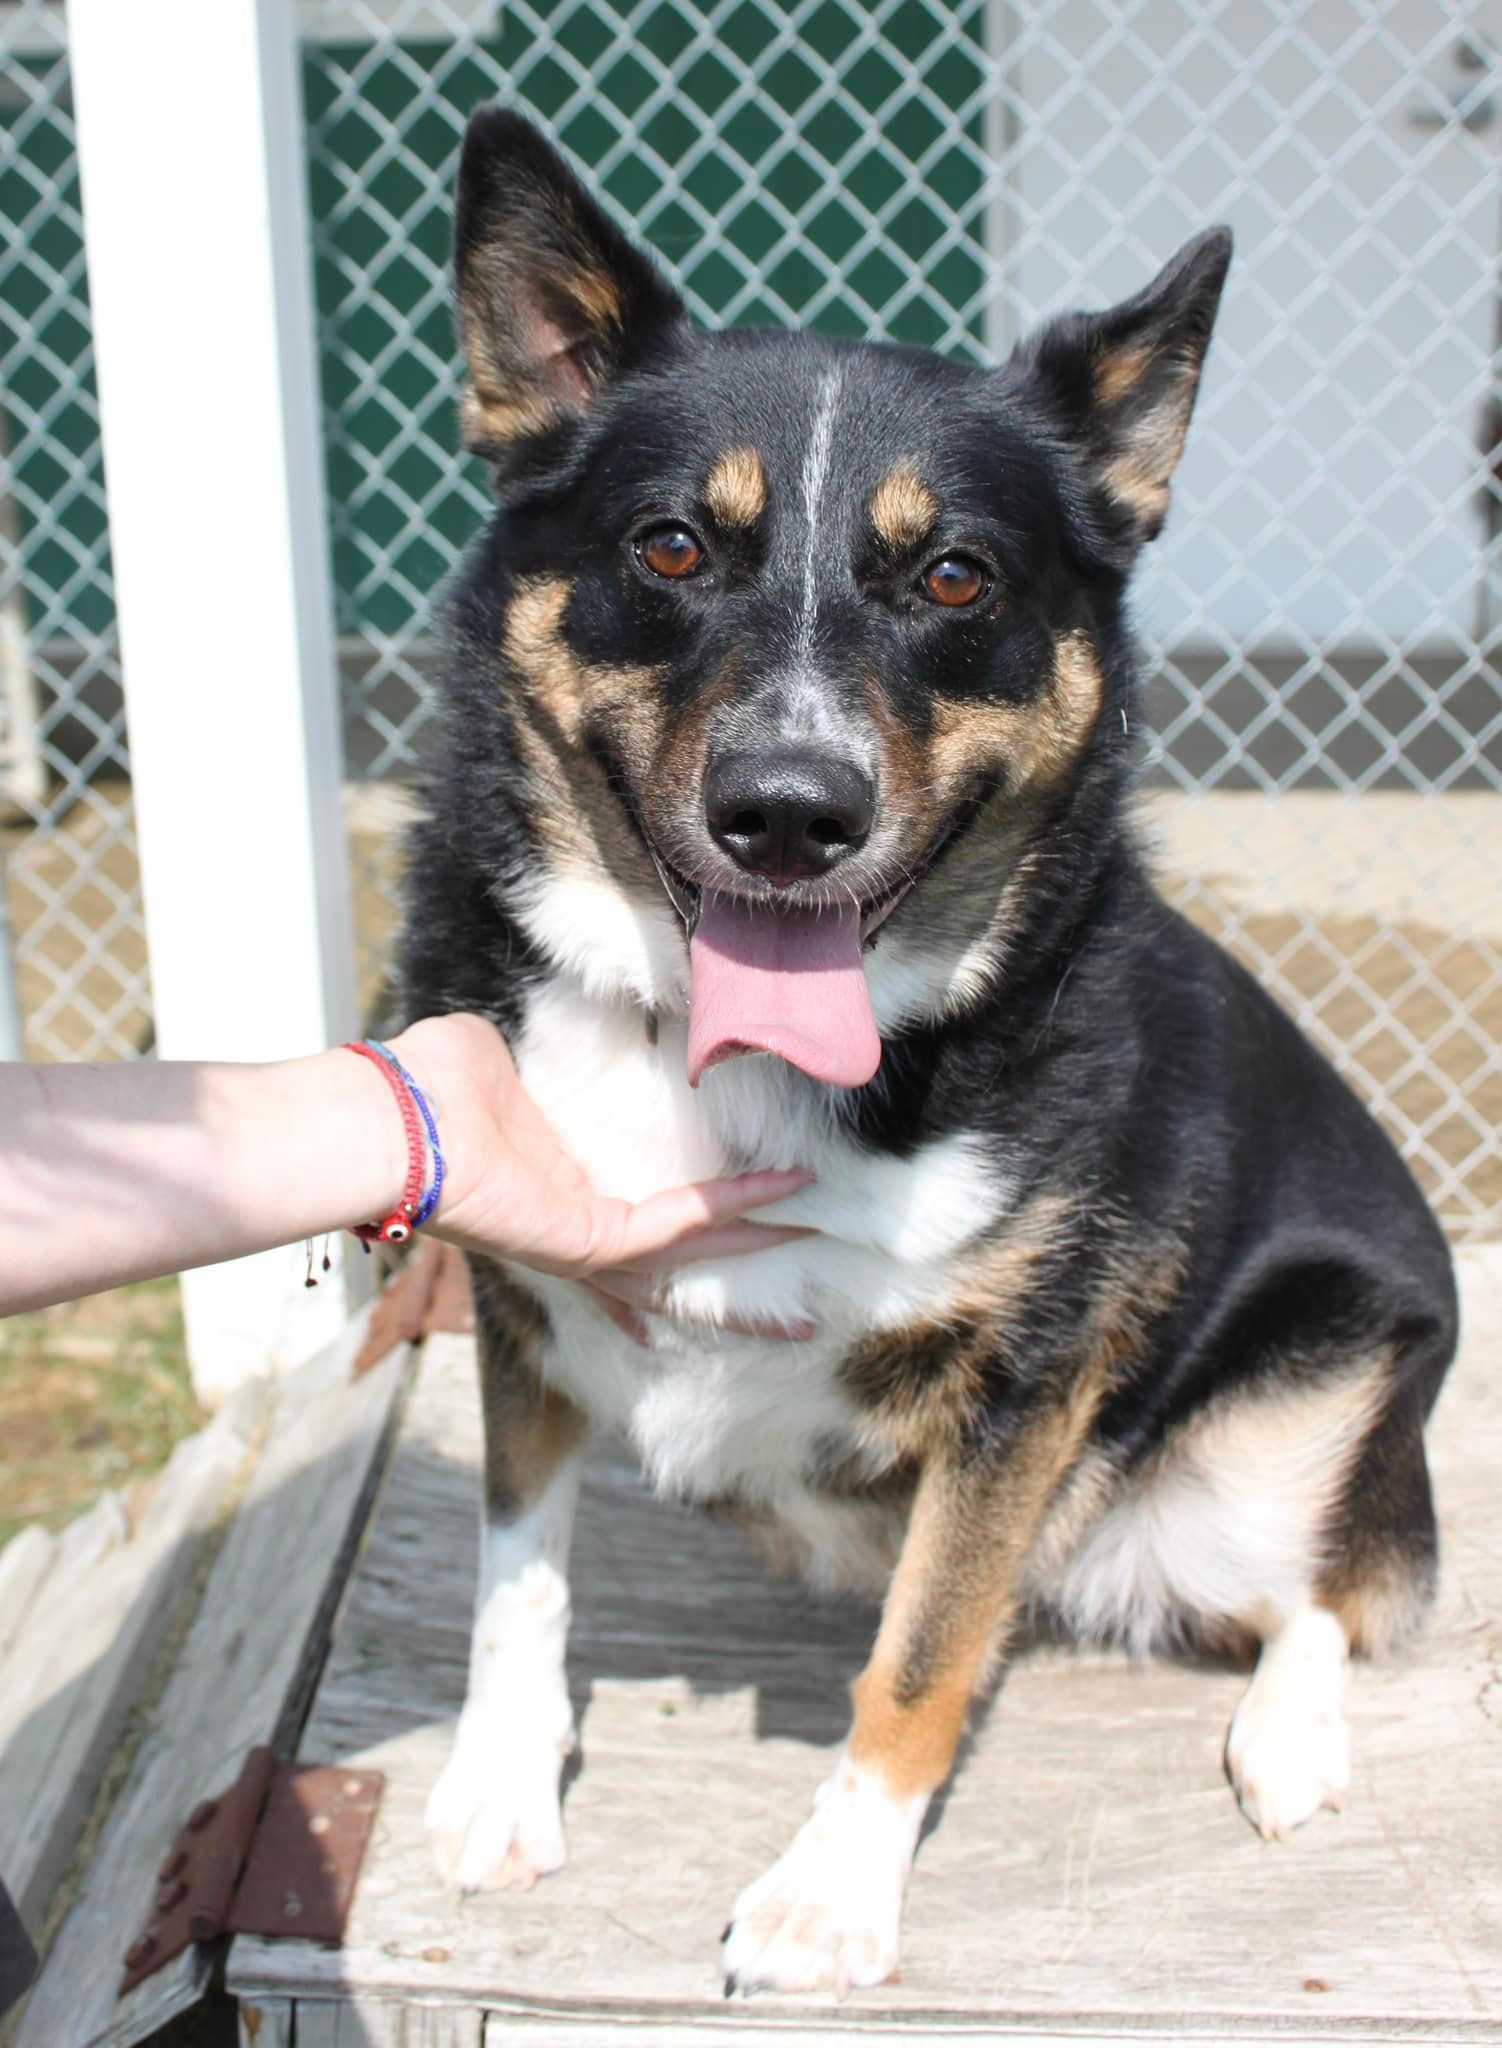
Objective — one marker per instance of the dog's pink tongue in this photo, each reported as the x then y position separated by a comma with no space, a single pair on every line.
784,981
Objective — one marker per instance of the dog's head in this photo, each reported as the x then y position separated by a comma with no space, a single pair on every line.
802,641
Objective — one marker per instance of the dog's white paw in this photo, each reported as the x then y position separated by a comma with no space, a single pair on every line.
1289,1749
1286,1764
826,1915
494,1819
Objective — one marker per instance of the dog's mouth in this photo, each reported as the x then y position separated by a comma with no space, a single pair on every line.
688,899
775,972
787,977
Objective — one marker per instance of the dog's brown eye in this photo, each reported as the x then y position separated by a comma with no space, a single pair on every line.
956,580
670,551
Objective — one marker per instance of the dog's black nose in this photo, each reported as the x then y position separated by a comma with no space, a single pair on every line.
786,813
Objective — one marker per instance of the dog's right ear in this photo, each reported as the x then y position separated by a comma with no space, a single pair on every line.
1122,384
553,301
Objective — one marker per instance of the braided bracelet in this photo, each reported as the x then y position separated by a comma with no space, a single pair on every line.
421,1128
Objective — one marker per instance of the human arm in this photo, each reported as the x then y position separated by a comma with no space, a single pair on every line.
120,1172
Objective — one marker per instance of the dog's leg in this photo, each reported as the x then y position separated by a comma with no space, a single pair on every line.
827,1913
1289,1750
493,1817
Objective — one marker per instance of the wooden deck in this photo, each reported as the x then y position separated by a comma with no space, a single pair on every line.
233,1579
1089,1877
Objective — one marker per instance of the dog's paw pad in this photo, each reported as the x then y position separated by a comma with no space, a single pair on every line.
494,1822
1285,1765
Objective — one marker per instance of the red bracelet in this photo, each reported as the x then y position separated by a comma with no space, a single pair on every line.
400,1224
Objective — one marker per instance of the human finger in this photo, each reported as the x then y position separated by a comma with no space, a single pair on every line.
649,1295
717,1241
660,1221
624,1317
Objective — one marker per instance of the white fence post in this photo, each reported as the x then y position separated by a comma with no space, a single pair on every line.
192,166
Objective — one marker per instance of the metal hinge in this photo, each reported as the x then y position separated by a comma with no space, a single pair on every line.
277,1853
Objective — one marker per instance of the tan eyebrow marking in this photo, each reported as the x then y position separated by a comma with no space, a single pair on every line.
736,488
903,508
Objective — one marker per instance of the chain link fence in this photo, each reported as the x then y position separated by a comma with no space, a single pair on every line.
1322,618
1320,621
75,966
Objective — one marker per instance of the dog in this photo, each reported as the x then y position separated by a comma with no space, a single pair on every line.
780,815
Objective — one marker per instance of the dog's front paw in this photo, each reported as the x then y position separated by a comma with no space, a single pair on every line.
494,1818
826,1915
1285,1764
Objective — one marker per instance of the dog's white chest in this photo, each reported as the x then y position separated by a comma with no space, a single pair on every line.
712,1413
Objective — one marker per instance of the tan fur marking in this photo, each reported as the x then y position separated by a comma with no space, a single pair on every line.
912,1748
1297,1444
1148,454
736,488
955,1590
488,417
1078,1506
963,918
1379,1613
578,692
1030,746
596,293
1035,742
1280,1458
1071,707
537,1436
560,699
509,399
903,508
1371,1580
1119,373
979,1531
920,1412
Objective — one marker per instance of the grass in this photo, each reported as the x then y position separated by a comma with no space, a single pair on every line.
93,1394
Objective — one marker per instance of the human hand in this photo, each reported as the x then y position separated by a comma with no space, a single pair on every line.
513,1192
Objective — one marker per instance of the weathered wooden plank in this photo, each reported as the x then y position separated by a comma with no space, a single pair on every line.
528,2028
87,1541
266,2024
89,1640
245,1666
1090,1873
362,2023
24,1563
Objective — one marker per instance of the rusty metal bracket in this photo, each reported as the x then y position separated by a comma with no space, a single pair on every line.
276,1853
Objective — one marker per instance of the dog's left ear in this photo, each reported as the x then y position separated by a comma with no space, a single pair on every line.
1123,383
553,301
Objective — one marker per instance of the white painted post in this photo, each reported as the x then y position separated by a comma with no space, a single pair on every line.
191,159
23,773
1000,328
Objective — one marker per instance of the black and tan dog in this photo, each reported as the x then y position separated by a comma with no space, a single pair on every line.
784,717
